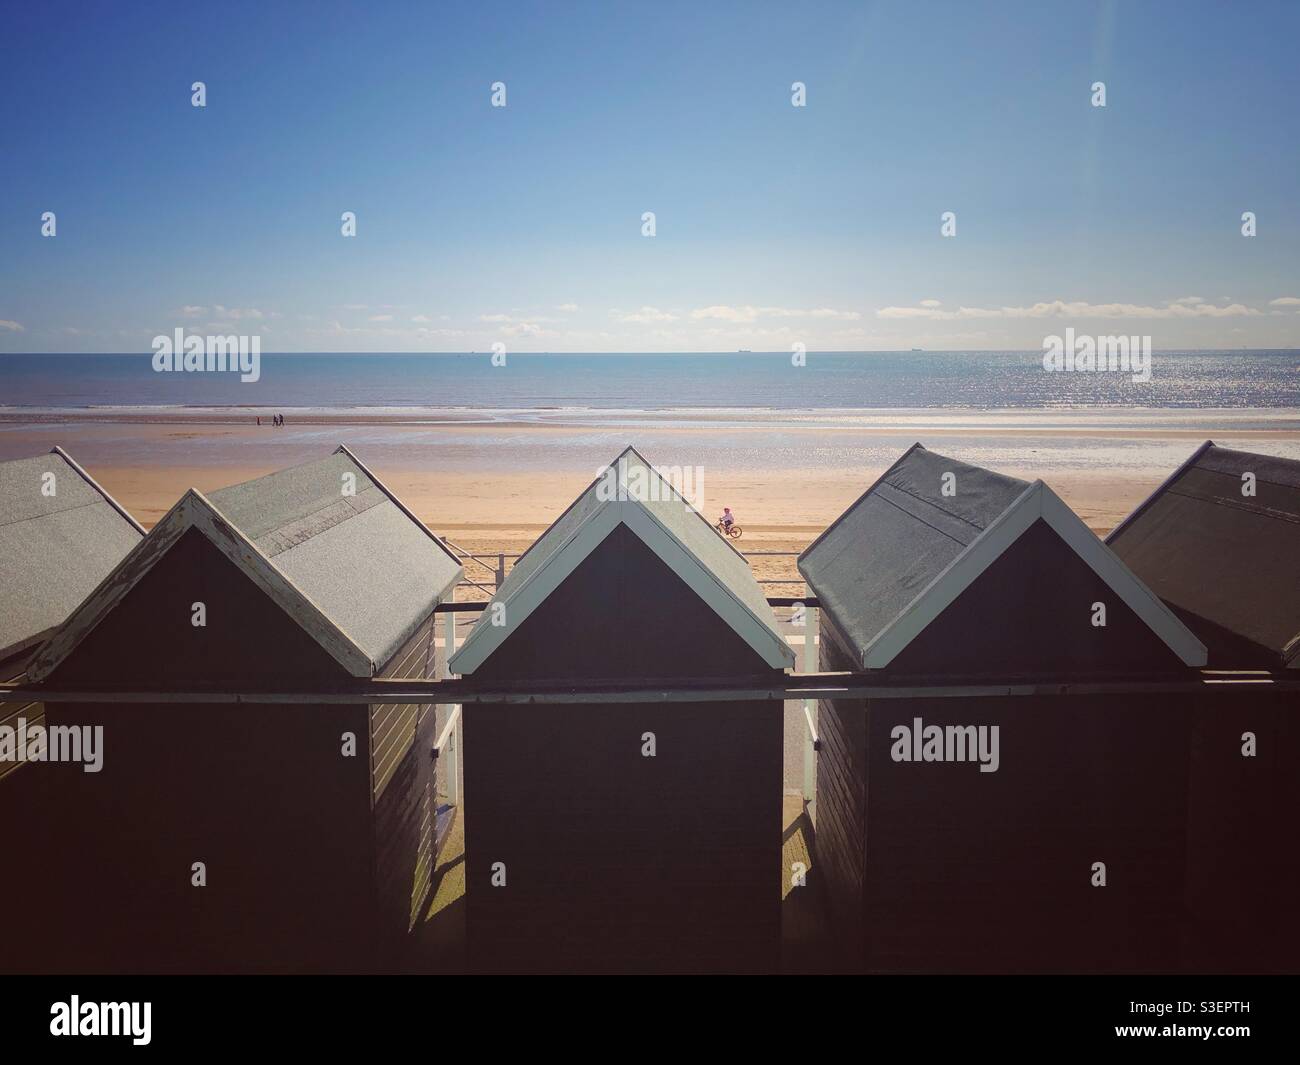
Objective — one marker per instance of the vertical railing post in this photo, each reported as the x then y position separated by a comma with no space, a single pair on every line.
501,570
810,663
455,768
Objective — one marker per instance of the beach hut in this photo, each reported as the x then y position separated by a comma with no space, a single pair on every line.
982,831
1219,541
611,836
60,535
281,836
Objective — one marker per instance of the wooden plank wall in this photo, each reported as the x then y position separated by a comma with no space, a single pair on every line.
403,798
34,713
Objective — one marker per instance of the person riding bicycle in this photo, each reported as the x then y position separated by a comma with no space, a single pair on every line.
727,519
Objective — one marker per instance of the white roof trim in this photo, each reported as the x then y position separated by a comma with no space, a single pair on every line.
196,511
56,450
1037,501
485,637
771,647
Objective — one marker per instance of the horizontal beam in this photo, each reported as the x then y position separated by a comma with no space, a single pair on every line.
809,601
779,689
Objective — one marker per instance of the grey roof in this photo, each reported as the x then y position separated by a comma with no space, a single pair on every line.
899,535
54,549
372,568
645,486
1227,562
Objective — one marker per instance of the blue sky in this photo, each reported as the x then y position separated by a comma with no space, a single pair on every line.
774,224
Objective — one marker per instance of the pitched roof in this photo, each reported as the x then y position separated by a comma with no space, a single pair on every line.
632,493
904,551
356,570
1227,561
54,549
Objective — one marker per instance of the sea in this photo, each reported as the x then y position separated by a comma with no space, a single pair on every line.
378,382
746,411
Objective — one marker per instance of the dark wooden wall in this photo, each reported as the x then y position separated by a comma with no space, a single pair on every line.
839,861
262,794
24,798
617,862
1243,863
971,871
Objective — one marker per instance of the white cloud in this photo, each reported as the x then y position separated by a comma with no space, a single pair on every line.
1285,301
227,313
726,314
644,315
931,303
381,318
524,329
827,312
1187,307
747,313
568,308
11,327
421,318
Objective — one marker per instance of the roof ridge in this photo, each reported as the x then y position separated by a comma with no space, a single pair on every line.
1233,504
941,509
51,513
928,525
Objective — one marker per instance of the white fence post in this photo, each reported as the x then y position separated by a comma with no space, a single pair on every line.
455,768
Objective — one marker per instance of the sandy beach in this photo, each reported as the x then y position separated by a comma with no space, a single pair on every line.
492,488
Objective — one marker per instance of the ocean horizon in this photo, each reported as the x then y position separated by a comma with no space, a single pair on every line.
392,382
